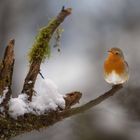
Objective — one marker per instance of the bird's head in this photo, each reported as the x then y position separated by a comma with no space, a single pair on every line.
116,53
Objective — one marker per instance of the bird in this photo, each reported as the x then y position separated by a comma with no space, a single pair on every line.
116,69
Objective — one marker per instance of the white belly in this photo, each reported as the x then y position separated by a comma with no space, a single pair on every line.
114,78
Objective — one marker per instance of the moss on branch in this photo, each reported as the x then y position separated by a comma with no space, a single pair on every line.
41,49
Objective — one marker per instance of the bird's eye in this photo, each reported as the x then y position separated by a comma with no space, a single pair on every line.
117,53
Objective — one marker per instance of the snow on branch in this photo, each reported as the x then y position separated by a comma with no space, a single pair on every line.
11,127
46,99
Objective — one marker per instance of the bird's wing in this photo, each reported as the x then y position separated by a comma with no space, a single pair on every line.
127,66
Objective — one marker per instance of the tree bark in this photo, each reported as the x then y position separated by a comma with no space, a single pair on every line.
6,73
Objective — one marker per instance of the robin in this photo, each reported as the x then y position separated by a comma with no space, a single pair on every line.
116,70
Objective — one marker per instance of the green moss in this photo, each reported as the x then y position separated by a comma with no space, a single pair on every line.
41,49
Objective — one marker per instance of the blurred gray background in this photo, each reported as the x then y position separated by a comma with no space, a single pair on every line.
93,28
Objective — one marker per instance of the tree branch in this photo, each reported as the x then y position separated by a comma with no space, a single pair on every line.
6,73
10,127
92,103
40,50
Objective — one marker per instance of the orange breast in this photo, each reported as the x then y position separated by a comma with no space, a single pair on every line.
114,63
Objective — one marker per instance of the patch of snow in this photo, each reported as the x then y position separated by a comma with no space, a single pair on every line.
4,94
47,98
30,82
18,106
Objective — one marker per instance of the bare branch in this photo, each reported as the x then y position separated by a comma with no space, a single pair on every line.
6,72
92,103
